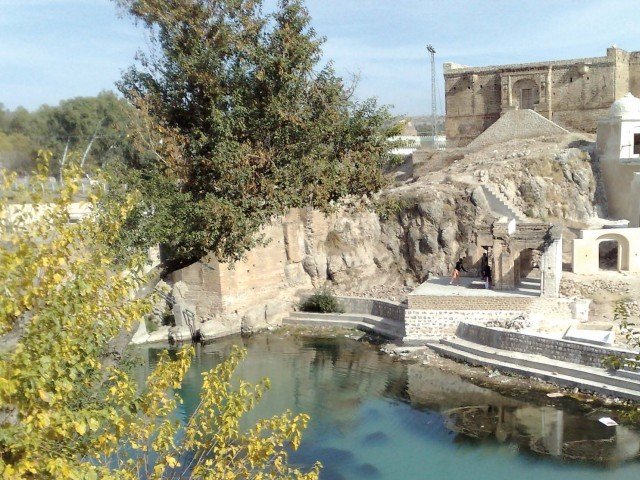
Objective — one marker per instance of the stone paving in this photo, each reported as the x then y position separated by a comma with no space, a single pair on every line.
473,287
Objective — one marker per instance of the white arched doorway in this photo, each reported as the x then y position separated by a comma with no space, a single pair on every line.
613,252
616,249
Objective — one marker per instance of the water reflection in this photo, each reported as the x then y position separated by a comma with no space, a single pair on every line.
373,417
478,413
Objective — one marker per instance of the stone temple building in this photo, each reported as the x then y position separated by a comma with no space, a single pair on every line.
572,93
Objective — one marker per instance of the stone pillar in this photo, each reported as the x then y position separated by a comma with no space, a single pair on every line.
517,273
506,98
552,265
504,278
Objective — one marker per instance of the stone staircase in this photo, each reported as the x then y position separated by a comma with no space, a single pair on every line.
385,327
529,286
500,204
621,383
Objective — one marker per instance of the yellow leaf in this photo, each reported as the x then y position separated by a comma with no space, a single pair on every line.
45,396
57,277
93,424
172,462
80,427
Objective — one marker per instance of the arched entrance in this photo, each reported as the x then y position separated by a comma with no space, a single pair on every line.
528,274
608,255
525,94
529,263
613,252
608,249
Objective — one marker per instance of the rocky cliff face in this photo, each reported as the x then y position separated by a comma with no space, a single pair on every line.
416,227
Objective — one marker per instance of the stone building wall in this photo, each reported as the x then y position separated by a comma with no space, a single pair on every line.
571,93
304,250
254,292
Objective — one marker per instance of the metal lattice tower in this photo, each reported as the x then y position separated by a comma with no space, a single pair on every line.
432,54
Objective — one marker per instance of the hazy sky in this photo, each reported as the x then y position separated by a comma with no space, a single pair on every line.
56,49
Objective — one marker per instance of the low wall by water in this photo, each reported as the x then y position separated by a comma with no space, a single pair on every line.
374,306
555,348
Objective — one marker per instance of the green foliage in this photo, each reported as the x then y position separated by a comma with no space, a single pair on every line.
95,125
68,410
630,332
322,301
243,124
388,206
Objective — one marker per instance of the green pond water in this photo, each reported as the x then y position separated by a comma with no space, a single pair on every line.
373,417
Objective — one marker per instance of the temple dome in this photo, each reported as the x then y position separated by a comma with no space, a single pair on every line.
626,107
408,130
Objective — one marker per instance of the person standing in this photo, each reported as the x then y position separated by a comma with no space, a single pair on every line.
486,276
455,276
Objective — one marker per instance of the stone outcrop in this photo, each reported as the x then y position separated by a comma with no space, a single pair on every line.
416,228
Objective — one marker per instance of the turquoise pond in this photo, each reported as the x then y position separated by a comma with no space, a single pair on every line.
373,417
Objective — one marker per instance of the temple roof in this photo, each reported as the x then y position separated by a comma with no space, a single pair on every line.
625,107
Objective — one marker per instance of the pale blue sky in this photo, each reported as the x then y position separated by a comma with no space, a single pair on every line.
56,49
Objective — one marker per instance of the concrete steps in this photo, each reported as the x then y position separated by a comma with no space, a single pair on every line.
529,286
500,204
618,384
369,323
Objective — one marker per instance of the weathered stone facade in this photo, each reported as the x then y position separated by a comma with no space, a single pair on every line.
571,93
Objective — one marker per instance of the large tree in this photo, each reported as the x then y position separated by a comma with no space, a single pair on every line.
244,123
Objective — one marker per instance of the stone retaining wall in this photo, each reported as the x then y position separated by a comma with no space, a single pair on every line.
435,324
374,306
484,304
431,317
557,349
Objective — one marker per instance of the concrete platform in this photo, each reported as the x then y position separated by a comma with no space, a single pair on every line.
474,287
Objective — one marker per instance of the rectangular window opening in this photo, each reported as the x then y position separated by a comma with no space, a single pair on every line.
636,143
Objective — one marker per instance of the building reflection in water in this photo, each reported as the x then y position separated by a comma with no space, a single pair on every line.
332,379
478,413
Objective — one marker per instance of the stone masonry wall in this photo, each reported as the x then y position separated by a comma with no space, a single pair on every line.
557,349
505,302
573,93
436,317
435,324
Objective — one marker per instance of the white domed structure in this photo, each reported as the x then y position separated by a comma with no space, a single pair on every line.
618,151
409,139
409,130
626,107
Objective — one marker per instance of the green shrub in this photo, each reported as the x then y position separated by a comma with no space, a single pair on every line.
322,301
390,206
